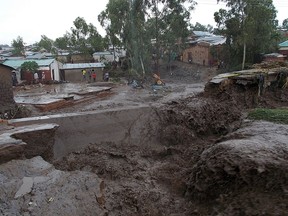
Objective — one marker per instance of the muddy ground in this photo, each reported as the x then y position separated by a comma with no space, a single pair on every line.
210,159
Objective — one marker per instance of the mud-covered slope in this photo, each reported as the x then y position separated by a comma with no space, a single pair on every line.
246,173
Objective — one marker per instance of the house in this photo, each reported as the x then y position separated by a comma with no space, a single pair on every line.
49,67
105,56
283,48
75,57
73,72
277,57
6,92
200,45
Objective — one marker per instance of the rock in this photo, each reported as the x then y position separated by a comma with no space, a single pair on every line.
25,188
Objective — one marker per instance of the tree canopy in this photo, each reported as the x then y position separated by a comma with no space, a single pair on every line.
30,66
83,38
199,27
285,24
250,27
45,43
18,46
133,24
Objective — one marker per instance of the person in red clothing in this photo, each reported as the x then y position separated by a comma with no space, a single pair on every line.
94,76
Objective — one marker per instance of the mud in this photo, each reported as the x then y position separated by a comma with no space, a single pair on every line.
247,96
209,160
246,173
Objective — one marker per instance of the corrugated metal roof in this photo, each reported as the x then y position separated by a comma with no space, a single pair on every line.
284,44
277,55
103,53
202,33
17,63
83,65
213,39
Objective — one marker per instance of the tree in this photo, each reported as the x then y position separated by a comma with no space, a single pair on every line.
62,42
46,43
18,46
134,23
250,27
199,27
30,66
285,24
85,37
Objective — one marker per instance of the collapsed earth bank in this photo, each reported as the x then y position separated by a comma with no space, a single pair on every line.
207,160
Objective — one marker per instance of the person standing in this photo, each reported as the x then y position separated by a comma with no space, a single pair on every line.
94,76
36,77
106,77
14,79
90,75
43,76
84,74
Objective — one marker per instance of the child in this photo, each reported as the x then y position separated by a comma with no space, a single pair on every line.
94,76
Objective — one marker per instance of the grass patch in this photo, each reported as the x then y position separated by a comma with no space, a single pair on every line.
272,115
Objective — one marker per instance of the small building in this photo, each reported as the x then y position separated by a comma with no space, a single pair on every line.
276,57
113,54
283,48
6,91
73,72
105,56
49,67
199,50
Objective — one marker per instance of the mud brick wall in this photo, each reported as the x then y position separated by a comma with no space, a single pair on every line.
199,52
6,91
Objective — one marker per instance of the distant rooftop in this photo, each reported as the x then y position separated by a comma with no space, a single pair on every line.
202,33
284,44
83,65
207,37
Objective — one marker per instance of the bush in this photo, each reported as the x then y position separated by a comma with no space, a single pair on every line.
272,115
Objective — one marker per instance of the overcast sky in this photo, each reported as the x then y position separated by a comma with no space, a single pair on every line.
30,19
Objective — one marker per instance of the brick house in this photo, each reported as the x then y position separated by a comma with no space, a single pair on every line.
276,57
199,48
6,91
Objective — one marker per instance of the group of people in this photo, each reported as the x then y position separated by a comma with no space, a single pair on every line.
91,74
36,78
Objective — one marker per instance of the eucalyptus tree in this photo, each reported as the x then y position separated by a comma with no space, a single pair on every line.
124,21
285,24
62,43
18,46
199,27
250,27
134,23
84,37
46,43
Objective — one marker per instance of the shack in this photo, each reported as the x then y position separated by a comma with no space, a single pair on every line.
49,67
73,72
